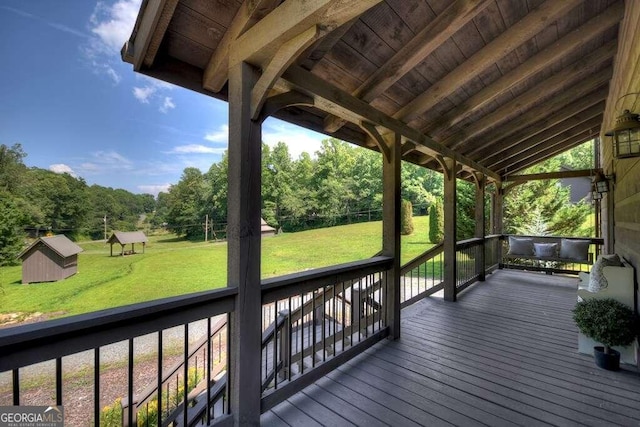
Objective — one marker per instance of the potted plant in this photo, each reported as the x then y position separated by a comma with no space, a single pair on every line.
609,322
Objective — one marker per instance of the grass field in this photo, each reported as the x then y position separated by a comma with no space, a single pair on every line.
173,266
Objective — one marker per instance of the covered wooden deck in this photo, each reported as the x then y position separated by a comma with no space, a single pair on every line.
504,354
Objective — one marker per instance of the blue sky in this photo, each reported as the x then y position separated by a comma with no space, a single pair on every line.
75,107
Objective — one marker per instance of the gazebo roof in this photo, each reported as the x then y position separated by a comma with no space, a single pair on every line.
60,244
497,85
127,237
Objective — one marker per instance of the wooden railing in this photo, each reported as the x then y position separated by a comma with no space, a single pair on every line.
422,276
329,315
469,265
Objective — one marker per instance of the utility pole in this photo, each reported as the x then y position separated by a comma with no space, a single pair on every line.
206,228
105,227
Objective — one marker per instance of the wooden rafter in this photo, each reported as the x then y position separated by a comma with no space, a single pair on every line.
548,153
338,102
482,151
516,35
260,43
284,56
550,175
577,37
138,48
533,115
535,145
555,83
415,51
319,49
250,12
567,125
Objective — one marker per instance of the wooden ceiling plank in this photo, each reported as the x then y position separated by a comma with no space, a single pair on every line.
519,33
421,46
533,115
595,27
260,42
318,50
554,151
250,12
552,85
484,150
537,144
135,49
336,101
158,33
284,57
564,126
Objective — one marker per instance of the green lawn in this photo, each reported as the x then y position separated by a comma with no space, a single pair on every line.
173,266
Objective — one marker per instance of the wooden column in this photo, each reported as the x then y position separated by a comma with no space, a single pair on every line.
481,182
498,212
391,229
243,260
450,265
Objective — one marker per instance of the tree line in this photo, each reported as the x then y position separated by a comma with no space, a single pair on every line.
340,184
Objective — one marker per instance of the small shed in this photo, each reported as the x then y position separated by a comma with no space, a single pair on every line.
127,237
266,229
49,259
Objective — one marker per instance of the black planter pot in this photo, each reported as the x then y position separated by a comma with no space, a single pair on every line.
610,362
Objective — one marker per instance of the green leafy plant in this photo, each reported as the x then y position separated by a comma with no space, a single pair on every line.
606,321
406,218
436,222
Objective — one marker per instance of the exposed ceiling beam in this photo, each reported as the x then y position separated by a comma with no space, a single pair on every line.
570,123
338,102
543,155
516,35
259,43
319,49
421,46
250,12
482,151
550,175
551,54
415,51
285,56
534,146
574,72
139,45
546,109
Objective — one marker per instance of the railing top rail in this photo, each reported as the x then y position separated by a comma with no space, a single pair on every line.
593,240
429,253
474,241
293,284
28,344
493,236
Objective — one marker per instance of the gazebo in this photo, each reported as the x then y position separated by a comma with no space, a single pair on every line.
127,237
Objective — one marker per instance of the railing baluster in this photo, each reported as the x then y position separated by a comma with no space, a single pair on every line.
59,381
314,331
301,334
289,341
324,317
159,377
186,374
96,386
16,387
130,385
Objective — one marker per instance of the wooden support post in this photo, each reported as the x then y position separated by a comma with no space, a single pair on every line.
498,212
243,259
450,264
391,229
481,182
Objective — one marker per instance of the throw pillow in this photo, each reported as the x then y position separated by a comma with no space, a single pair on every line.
597,281
520,246
546,250
574,249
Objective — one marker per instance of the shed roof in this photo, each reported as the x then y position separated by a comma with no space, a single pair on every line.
497,85
264,227
126,237
60,244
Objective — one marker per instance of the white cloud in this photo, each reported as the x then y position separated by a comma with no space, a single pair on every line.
143,94
62,168
196,149
298,139
112,24
167,105
220,135
154,188
104,162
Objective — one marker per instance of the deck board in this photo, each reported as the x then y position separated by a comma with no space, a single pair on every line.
504,354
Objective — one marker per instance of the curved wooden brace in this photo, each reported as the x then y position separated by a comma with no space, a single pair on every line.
284,100
372,131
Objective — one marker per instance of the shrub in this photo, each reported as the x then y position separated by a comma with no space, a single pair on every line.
606,321
406,218
436,222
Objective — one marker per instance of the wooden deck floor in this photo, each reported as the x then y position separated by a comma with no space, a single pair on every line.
504,354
